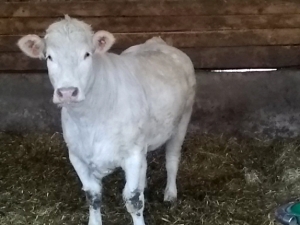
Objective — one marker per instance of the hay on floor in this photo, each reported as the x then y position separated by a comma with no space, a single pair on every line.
221,181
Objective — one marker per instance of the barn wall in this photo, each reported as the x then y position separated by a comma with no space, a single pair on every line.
216,34
251,104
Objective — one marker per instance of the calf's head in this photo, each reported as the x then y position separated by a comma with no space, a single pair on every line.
69,47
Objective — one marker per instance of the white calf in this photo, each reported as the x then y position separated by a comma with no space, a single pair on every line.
116,108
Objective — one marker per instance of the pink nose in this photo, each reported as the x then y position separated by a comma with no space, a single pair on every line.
67,93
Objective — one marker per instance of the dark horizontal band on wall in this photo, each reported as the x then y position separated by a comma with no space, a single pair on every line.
203,58
228,38
19,26
54,8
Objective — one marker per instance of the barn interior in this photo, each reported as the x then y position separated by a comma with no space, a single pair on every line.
240,157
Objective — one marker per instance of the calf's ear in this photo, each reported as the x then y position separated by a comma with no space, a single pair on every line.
32,45
103,40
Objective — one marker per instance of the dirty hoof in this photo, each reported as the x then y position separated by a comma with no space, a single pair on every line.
170,199
170,196
170,204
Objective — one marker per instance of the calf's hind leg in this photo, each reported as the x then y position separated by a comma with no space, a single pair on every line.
173,153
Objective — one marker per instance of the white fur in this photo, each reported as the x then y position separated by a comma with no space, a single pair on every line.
128,104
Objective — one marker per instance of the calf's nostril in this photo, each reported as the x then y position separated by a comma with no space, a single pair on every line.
75,92
59,93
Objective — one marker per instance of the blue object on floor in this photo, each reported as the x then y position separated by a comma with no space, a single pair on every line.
289,214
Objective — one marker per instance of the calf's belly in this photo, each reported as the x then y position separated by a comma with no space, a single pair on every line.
159,137
165,123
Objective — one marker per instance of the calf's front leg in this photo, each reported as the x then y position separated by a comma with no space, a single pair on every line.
135,169
92,187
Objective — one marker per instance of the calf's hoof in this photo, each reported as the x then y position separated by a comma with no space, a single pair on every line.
170,196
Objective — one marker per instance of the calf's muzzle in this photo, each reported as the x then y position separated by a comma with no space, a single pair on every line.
67,94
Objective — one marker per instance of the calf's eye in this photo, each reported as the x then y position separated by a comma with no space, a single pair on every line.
49,57
86,55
